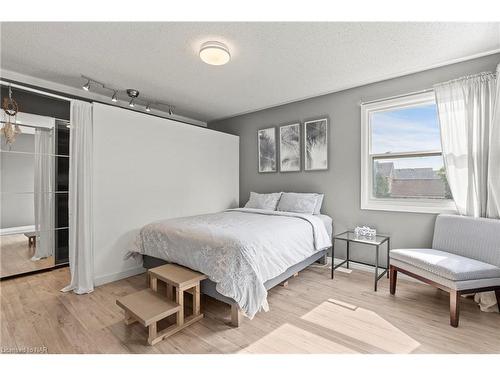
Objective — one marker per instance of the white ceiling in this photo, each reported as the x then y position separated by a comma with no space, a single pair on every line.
272,63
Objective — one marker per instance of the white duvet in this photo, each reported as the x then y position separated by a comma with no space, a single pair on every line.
238,249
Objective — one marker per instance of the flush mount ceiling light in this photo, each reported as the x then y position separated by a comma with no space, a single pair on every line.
214,53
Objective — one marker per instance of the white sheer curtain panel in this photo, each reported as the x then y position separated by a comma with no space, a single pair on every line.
81,257
469,117
44,193
494,157
470,142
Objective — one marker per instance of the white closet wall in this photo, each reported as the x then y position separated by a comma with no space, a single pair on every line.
148,168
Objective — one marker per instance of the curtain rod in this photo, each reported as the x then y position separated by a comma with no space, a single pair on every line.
488,75
396,96
30,89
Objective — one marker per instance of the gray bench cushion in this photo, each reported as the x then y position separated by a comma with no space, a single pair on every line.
447,265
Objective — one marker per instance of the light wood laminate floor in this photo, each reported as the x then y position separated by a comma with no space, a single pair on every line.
314,314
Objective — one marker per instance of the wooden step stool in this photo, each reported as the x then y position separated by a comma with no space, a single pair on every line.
148,306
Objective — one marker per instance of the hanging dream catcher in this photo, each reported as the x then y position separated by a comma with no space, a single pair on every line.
10,130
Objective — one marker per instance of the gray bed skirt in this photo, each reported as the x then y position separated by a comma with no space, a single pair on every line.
208,286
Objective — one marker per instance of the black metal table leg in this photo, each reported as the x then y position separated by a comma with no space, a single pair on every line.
348,242
376,267
333,256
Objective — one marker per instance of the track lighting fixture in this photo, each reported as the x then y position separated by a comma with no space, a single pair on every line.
86,87
133,94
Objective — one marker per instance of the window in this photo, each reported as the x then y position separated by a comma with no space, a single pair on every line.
402,166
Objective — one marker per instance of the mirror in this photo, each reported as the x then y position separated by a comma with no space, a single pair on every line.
34,195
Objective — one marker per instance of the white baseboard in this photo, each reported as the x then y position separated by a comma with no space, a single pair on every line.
104,279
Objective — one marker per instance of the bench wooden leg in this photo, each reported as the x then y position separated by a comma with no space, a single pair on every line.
129,319
154,283
497,293
196,300
152,334
235,316
454,307
179,298
393,274
284,284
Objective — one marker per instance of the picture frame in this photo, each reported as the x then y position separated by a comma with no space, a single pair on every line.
316,145
266,150
290,148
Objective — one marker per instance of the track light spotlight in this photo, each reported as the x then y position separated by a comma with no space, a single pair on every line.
170,111
148,108
132,93
114,98
86,87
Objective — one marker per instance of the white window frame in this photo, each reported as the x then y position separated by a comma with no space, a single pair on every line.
368,201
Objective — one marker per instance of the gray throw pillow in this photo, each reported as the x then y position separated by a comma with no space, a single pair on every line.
263,201
298,202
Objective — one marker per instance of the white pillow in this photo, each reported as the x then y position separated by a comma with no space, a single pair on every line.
298,202
319,202
263,201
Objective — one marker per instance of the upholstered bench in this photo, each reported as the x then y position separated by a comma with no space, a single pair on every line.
464,258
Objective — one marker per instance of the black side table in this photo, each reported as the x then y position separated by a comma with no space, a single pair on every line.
376,241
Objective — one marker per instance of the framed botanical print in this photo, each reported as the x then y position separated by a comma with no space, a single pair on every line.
316,145
290,148
266,139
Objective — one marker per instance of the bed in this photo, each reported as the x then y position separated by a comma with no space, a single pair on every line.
244,252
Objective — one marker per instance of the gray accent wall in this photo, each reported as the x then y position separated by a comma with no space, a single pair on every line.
341,182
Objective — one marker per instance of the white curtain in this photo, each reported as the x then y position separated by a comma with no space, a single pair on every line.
81,257
469,117
44,193
468,132
494,158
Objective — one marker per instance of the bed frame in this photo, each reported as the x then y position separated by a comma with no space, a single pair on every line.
208,286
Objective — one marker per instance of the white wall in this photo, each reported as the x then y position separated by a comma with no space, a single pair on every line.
148,168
